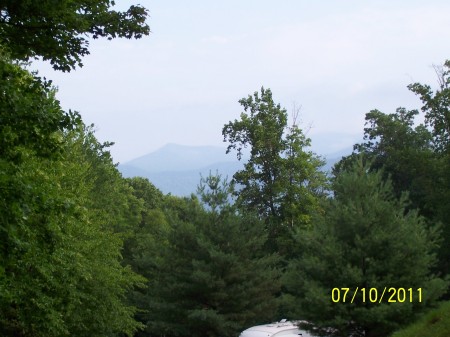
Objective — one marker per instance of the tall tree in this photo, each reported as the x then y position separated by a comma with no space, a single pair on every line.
416,157
281,180
31,116
57,30
405,152
144,248
365,239
216,280
60,263
436,106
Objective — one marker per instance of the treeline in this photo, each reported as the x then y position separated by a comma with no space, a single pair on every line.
85,252
64,208
64,212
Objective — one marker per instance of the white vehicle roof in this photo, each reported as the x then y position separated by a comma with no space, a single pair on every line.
283,328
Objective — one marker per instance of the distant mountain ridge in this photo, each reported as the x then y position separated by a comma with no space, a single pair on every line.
176,158
177,169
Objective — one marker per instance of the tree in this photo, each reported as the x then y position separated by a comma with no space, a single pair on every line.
31,117
111,197
437,106
62,264
60,260
365,239
404,152
215,279
143,244
57,30
281,180
64,205
144,247
30,128
414,156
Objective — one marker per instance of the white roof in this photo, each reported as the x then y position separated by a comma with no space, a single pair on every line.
283,328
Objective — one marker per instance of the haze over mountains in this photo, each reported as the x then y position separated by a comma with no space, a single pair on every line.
177,169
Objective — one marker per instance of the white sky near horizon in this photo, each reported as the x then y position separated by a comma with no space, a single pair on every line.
336,59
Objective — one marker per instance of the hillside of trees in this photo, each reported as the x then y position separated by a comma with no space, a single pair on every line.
87,252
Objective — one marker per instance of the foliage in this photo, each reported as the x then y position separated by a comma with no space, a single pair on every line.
214,279
281,180
437,107
365,239
415,158
144,245
57,30
60,270
435,323
215,193
111,197
65,208
30,114
405,154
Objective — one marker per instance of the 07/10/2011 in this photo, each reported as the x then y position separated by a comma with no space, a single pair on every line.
373,295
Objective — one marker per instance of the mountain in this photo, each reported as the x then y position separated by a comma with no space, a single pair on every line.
177,158
177,169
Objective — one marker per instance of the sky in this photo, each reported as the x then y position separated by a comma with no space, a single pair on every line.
333,60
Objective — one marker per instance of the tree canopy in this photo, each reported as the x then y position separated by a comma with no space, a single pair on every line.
281,180
415,156
58,31
213,278
366,239
61,241
436,106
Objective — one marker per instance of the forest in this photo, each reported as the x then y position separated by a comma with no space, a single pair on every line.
86,252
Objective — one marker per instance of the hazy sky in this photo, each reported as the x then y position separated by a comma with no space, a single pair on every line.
336,59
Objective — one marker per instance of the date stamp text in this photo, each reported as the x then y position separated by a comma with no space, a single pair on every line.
376,295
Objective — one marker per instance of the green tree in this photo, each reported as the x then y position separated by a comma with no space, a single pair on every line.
62,270
31,117
404,152
57,30
414,156
144,247
436,106
365,239
30,127
111,197
216,280
60,261
281,180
